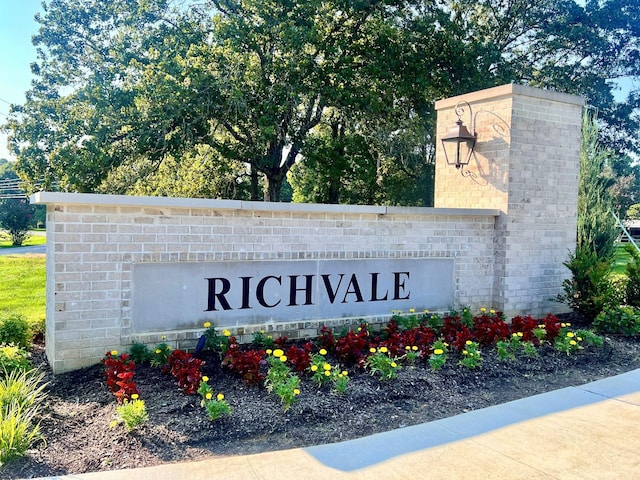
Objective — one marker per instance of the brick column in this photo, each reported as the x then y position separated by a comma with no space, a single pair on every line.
526,165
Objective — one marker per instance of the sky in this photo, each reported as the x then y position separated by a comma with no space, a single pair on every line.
16,54
17,26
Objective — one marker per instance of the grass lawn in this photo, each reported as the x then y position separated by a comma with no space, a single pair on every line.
23,288
620,259
38,239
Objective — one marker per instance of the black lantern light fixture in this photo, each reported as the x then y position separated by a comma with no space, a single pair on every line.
458,143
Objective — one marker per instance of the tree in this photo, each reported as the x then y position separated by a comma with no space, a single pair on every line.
15,217
597,229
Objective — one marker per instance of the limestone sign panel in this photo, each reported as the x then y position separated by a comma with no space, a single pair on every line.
168,296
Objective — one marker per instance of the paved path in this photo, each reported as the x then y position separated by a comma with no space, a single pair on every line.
23,250
586,432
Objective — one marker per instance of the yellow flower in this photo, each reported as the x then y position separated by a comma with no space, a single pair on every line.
226,333
372,350
326,366
468,342
384,349
345,373
134,396
262,332
571,334
327,373
394,364
407,348
568,324
207,324
483,310
114,352
322,351
563,325
158,350
464,352
205,378
492,311
359,329
573,342
414,348
412,310
208,395
579,339
399,312
520,334
438,351
296,391
514,334
314,368
163,338
220,397
278,353
269,351
541,325
283,358
393,312
426,311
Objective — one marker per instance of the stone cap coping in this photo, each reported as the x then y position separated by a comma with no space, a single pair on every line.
61,198
507,90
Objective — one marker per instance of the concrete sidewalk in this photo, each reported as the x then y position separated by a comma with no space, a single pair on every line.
591,431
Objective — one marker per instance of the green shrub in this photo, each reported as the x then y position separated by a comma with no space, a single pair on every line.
589,290
139,353
21,394
13,358
15,329
619,319
632,287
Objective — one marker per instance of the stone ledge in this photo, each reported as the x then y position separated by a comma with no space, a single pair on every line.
60,198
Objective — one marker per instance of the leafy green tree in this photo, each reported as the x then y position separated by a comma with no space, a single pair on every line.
15,217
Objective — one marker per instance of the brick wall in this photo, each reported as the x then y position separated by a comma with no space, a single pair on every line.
94,240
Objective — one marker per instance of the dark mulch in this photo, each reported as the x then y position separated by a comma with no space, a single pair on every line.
79,409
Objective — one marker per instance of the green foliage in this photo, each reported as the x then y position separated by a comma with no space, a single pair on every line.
217,408
139,353
21,394
633,212
13,358
380,362
471,356
439,356
623,320
15,217
632,286
597,230
15,329
588,290
132,413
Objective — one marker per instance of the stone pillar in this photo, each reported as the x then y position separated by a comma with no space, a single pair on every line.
526,165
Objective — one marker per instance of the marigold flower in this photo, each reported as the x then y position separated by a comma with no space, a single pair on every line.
327,373
464,352
226,333
158,350
163,338
359,329
563,325
207,324
269,351
205,378
296,391
393,312
483,310
579,339
345,373
278,353
384,349
426,311
514,334
220,397
372,350
322,351
412,310
492,311
520,334
438,351
399,312
114,352
407,347
283,358
573,342
314,368
394,364
134,396
414,348
468,342
326,366
208,395
571,334
568,324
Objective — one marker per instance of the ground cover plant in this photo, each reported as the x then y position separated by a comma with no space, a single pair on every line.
275,394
